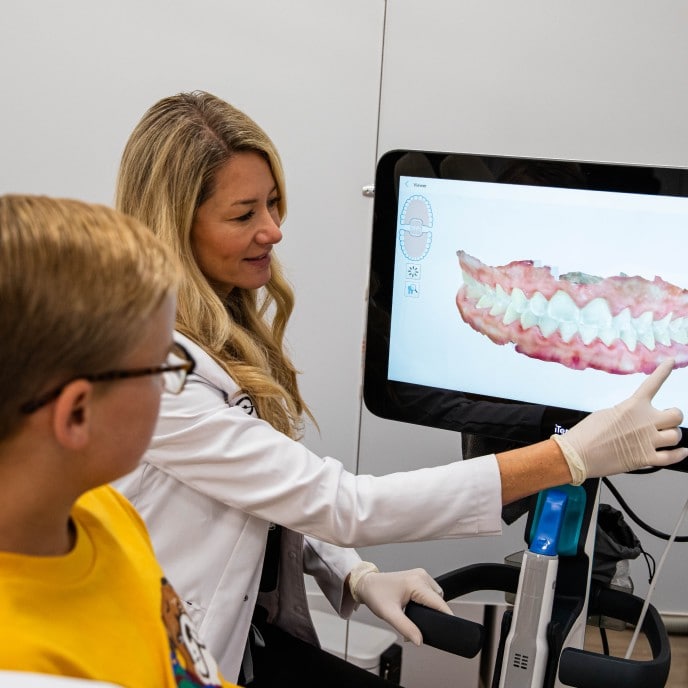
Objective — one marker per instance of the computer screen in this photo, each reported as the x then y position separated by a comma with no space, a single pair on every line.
511,296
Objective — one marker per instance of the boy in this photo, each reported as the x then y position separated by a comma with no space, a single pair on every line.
87,304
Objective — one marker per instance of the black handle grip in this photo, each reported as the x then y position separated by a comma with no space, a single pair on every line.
585,669
452,633
446,632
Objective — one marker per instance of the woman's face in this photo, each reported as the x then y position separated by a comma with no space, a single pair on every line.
235,228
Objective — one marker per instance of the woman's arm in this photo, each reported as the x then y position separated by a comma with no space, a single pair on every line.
228,454
527,470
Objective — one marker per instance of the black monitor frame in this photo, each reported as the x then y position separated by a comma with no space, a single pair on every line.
481,414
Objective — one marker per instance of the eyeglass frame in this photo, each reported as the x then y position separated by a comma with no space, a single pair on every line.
188,366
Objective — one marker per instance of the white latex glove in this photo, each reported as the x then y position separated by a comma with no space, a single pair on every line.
625,437
387,594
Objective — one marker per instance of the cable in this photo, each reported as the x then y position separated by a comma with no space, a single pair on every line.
650,563
631,514
646,604
605,640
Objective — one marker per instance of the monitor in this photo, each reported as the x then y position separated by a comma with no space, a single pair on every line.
509,297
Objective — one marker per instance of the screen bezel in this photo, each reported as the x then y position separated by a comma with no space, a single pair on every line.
505,419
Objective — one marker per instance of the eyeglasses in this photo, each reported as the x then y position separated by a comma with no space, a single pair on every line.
174,372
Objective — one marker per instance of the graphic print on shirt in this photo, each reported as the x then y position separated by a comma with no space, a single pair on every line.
244,402
192,663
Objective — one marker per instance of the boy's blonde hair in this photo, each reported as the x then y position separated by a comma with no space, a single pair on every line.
168,170
77,284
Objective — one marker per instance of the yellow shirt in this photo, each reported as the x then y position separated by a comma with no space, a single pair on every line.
104,611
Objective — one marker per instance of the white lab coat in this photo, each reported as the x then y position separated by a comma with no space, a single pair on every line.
214,478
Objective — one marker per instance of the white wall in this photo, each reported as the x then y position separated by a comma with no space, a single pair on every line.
592,79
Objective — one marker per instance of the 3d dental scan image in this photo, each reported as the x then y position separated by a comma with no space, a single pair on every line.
621,324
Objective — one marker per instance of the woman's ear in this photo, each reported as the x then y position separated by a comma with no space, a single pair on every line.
72,415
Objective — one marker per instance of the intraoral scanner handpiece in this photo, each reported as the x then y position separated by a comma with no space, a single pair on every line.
525,649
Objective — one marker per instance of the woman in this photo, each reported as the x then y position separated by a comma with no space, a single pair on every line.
225,462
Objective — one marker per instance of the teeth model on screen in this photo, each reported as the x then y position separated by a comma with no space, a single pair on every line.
617,324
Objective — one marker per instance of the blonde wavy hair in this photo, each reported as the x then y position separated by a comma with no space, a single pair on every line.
78,282
167,171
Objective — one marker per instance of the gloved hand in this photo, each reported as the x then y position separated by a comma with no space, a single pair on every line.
625,437
386,595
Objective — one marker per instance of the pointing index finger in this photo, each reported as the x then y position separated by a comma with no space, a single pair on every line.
656,379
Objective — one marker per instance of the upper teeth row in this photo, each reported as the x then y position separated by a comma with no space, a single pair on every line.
593,321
